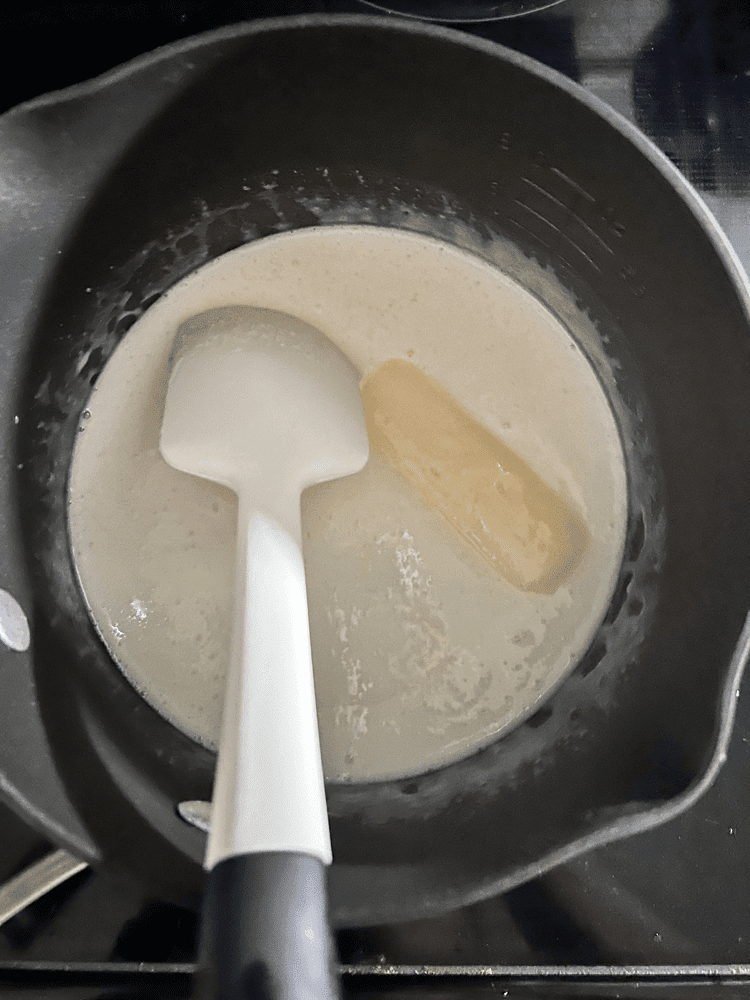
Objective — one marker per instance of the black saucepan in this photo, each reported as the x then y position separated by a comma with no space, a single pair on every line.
114,190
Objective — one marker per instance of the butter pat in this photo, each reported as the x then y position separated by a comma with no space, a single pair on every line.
526,531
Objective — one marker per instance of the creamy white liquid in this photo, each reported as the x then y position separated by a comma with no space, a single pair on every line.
422,653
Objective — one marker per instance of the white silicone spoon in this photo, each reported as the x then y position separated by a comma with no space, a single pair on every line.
265,404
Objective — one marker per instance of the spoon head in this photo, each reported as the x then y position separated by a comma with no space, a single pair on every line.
260,400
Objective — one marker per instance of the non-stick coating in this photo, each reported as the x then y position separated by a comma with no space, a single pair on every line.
119,189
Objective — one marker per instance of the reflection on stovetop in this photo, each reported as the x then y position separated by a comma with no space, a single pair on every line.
680,69
692,85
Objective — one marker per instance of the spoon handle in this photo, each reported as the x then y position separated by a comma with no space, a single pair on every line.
265,932
265,916
269,793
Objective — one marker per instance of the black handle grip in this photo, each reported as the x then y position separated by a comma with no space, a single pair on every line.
265,930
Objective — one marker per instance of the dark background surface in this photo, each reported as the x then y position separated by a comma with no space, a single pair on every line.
681,894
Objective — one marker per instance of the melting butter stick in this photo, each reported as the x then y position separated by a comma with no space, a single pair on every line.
525,530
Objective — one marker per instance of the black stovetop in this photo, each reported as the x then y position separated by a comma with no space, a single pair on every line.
656,907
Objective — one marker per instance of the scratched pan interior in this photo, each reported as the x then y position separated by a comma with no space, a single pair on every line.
123,187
